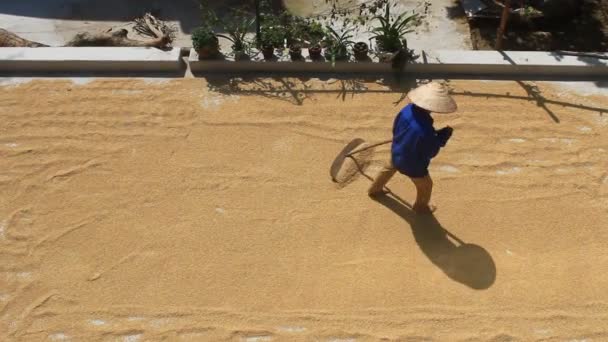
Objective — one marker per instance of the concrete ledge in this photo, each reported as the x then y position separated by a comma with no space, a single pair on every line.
89,59
455,64
517,63
469,63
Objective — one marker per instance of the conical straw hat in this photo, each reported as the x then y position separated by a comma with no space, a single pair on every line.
433,97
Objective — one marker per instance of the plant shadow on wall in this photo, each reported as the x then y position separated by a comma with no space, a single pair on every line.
297,90
589,58
535,94
465,263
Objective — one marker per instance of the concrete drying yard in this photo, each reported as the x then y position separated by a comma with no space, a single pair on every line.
194,210
189,204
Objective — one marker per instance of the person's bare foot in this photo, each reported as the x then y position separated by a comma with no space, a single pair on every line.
377,193
426,209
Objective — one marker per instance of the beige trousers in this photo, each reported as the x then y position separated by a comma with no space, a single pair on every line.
424,185
382,177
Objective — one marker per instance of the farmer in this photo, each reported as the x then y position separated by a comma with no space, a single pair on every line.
416,142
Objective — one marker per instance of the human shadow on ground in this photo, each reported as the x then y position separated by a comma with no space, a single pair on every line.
296,89
466,263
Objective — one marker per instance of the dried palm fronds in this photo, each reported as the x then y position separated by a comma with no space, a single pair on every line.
150,26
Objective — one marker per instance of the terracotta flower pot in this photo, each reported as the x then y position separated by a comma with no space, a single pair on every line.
360,50
241,56
340,54
315,51
295,52
268,51
209,51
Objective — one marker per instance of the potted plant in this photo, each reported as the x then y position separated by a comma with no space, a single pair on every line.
267,50
237,33
313,34
338,44
360,50
273,37
295,51
205,42
294,32
314,50
390,32
294,28
313,31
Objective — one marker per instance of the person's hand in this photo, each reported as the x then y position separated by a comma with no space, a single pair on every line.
446,132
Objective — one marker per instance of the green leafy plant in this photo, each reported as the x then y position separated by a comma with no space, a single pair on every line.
208,16
205,42
314,35
313,32
529,12
273,36
272,30
390,32
294,29
300,29
338,44
273,33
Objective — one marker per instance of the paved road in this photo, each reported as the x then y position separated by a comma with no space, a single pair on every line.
55,22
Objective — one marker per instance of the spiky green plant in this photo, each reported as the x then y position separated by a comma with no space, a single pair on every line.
338,43
236,32
390,32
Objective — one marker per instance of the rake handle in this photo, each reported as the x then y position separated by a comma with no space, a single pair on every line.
370,146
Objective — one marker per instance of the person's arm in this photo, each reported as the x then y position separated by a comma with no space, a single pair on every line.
395,123
430,144
444,135
428,147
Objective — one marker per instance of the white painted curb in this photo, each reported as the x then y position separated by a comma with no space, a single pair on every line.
123,60
89,59
515,63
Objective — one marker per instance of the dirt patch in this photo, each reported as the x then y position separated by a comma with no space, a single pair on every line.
588,31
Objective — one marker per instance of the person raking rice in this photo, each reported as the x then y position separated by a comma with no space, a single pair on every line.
416,142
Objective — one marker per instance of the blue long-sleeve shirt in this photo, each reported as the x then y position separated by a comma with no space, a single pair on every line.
415,141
